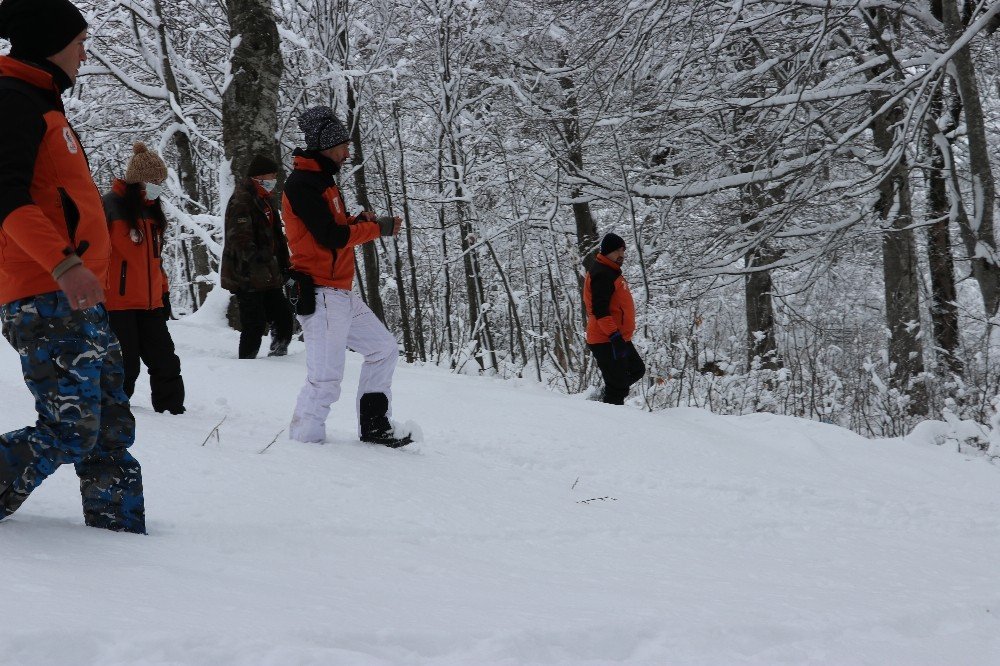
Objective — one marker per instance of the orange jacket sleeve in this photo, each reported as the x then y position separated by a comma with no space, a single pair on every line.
37,236
362,232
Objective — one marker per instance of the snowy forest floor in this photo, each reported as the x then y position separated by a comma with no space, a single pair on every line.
710,540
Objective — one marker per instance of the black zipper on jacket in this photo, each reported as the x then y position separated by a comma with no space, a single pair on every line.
149,260
121,280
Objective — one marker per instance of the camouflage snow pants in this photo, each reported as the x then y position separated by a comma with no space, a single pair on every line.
72,364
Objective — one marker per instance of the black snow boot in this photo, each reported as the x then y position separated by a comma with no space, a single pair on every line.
375,425
279,347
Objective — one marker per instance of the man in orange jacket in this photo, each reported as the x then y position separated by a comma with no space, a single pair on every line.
322,237
54,253
611,321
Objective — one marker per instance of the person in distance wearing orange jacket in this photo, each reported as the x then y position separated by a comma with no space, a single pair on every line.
611,321
139,295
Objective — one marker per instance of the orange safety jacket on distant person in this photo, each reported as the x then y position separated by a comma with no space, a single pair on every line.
51,217
321,235
137,279
610,307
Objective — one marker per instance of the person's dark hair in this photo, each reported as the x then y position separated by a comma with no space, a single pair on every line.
135,206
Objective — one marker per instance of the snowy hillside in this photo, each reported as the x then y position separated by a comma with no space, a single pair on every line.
708,540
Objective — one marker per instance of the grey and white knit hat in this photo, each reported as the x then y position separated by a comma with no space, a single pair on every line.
322,129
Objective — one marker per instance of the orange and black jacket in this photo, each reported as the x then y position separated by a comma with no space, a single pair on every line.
321,235
51,217
137,280
610,307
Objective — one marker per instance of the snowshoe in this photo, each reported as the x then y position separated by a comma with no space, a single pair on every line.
387,439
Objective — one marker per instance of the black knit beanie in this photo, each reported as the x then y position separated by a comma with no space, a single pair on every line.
261,165
610,243
38,29
322,129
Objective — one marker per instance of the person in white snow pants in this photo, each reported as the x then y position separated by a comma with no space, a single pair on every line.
342,321
321,238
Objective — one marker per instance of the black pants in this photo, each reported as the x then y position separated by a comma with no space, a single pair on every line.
619,375
257,310
144,336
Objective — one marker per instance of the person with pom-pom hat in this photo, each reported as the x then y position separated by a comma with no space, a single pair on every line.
139,294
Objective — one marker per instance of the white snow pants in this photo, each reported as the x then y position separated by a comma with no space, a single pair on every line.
342,321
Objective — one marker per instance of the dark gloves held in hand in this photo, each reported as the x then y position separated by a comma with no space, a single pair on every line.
386,225
619,348
167,311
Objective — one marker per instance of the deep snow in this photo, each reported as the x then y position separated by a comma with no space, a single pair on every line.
750,540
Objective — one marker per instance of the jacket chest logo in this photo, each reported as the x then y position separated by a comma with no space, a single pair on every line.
71,145
335,204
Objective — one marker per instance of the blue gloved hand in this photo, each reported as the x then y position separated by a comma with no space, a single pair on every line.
619,348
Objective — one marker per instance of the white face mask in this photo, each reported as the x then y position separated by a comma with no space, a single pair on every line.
153,191
268,185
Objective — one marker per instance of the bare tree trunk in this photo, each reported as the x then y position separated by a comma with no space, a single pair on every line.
442,221
187,169
471,269
758,286
407,221
450,88
587,237
250,103
900,269
534,327
586,228
977,233
397,265
762,345
944,295
368,250
761,341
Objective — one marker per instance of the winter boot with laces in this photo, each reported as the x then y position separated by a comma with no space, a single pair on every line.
376,428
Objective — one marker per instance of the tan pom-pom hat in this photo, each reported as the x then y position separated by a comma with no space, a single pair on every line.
145,166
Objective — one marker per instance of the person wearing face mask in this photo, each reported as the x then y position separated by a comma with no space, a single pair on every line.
139,294
611,321
254,260
54,255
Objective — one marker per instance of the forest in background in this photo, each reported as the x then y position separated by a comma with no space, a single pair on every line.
806,187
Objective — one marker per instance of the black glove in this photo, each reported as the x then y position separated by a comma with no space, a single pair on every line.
386,225
167,311
619,348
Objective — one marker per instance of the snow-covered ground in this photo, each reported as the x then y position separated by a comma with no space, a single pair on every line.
708,540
